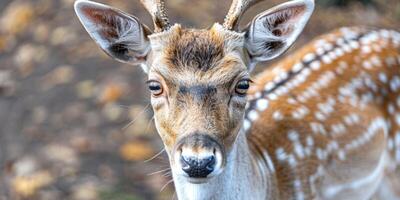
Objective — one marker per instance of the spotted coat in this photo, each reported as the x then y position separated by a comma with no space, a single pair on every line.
329,115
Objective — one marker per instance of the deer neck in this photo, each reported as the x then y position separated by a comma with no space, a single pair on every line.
243,177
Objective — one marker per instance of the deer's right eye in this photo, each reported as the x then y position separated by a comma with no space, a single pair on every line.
155,88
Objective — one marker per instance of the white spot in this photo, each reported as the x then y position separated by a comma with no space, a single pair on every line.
315,65
397,139
300,112
326,59
283,75
293,136
310,141
354,44
309,57
390,144
395,84
320,51
298,149
292,161
321,154
385,33
332,55
320,116
246,124
281,154
366,49
332,146
297,67
346,48
277,116
391,108
398,119
253,115
328,46
272,96
339,52
340,41
257,95
317,128
269,86
367,65
293,101
382,77
342,155
262,104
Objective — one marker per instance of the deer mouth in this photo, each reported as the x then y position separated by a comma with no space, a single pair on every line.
198,158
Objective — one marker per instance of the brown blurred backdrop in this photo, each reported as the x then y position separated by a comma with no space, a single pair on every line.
66,108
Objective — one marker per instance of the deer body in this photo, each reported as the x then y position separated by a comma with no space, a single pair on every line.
334,108
322,124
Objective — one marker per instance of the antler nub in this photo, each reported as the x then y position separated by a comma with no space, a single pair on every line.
236,10
156,8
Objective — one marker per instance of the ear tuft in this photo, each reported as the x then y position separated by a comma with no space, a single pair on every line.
272,32
120,35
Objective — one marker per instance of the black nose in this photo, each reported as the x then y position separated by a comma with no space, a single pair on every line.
198,168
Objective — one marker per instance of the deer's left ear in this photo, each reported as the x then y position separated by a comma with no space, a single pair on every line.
120,35
272,32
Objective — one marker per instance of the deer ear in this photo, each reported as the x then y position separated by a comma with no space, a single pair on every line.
120,35
272,32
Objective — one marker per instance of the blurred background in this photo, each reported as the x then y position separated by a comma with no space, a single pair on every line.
75,124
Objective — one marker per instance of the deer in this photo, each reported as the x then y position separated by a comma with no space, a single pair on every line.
322,123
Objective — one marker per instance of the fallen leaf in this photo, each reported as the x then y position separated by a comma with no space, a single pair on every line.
27,186
136,151
85,89
17,17
111,93
112,112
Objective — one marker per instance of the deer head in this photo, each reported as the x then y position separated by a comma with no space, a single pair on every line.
198,79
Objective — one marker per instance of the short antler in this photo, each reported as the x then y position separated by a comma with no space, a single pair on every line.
237,9
157,10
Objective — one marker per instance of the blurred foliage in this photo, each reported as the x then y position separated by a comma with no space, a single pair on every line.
117,195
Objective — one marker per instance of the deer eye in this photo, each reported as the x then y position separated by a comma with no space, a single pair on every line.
155,88
242,87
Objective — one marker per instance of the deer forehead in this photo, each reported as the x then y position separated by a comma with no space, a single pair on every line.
204,53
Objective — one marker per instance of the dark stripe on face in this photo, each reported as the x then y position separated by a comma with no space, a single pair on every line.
199,93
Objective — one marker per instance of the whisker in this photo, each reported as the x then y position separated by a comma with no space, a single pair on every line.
165,186
167,174
148,124
173,196
155,156
160,171
123,106
133,121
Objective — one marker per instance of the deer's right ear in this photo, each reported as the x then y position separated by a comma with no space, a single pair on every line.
120,35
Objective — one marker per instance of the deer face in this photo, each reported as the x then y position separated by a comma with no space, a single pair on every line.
198,79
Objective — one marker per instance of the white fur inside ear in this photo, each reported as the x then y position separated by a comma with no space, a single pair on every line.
120,35
272,32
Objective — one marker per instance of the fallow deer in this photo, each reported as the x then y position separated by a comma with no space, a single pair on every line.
323,123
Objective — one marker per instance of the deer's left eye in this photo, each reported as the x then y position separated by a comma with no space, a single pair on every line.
155,88
242,87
